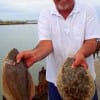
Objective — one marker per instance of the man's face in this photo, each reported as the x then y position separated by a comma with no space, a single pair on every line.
63,4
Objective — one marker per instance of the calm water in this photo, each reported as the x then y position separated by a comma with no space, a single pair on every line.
21,37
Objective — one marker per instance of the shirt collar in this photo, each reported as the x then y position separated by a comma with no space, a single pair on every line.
76,9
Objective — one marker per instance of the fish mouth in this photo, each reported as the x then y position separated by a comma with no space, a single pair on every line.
10,62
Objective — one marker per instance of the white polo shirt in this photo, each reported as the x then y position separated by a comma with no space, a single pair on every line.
67,35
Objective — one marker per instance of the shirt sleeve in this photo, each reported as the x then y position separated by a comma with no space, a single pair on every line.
44,26
92,29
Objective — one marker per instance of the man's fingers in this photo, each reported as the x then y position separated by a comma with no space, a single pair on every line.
19,57
77,63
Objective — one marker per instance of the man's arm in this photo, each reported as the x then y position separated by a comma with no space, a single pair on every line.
43,49
89,47
86,50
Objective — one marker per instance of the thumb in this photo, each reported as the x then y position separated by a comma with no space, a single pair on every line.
19,57
75,63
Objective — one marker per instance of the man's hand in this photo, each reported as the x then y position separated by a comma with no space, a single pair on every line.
27,56
79,60
86,50
43,49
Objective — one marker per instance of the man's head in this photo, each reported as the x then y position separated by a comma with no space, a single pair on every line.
64,4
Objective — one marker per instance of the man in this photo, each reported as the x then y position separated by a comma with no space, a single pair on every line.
68,29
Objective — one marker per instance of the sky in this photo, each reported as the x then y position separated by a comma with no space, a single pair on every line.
28,9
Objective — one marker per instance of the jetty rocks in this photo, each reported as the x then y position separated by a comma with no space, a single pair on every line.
75,83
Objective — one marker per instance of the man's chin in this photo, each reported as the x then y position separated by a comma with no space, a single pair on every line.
63,8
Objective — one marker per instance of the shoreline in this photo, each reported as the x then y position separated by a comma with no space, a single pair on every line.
18,23
15,22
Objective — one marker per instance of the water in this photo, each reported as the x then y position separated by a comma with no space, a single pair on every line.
22,37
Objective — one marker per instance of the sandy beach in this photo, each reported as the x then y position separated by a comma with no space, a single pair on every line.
97,67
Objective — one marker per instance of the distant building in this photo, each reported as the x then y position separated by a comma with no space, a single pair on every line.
41,90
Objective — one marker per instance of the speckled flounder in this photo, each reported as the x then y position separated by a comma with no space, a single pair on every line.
75,83
17,83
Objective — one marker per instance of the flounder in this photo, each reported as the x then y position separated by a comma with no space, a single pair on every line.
17,82
75,83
